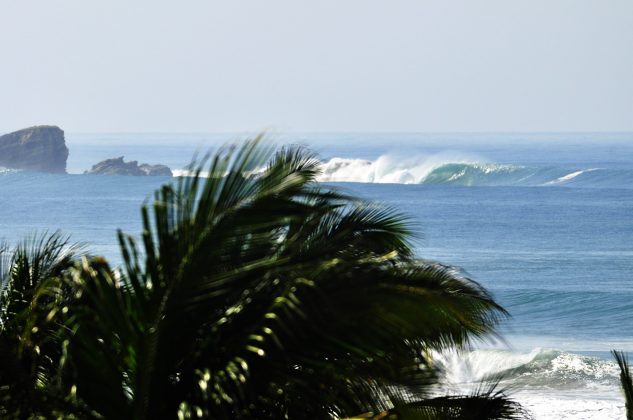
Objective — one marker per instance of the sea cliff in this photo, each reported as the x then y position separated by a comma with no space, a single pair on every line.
41,148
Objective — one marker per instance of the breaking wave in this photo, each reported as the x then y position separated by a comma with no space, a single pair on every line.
464,172
550,384
5,171
389,170
537,368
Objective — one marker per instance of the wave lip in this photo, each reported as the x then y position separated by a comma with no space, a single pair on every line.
475,174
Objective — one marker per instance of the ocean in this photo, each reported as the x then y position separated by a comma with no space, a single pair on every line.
544,221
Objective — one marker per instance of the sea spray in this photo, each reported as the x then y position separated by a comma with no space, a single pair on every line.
550,384
392,169
458,170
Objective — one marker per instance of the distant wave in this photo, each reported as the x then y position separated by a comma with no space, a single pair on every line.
466,172
187,172
4,171
571,176
386,169
461,171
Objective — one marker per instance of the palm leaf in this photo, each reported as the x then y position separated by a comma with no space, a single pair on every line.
29,345
257,292
626,381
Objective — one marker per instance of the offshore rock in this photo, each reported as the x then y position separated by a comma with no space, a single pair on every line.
41,148
155,170
117,166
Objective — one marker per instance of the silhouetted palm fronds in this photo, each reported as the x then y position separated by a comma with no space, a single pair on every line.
626,382
254,292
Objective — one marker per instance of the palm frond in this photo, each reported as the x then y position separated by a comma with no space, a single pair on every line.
29,350
29,264
253,292
626,382
488,401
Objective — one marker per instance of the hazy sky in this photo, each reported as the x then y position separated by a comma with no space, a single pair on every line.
321,65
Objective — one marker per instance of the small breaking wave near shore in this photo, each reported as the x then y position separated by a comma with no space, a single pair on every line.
550,384
537,368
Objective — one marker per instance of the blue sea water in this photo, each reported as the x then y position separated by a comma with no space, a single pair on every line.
544,221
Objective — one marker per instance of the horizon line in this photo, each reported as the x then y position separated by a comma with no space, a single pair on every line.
271,131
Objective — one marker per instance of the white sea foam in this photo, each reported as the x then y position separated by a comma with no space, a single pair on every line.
205,174
538,367
589,405
445,168
387,168
188,172
551,384
570,176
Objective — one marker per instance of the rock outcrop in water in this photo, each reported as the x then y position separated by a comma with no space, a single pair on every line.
41,148
117,166
156,170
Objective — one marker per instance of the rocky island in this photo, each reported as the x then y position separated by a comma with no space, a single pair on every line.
41,148
117,166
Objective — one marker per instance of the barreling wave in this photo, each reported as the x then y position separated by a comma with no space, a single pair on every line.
464,172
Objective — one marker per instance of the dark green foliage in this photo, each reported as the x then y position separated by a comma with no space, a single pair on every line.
626,382
484,404
254,293
30,355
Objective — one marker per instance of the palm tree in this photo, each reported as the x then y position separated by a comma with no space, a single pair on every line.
254,292
626,382
27,354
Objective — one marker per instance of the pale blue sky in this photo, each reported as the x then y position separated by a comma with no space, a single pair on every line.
326,65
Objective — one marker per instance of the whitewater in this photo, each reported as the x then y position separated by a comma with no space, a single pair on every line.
439,169
543,221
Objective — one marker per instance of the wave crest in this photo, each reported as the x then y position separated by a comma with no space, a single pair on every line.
544,368
467,172
386,169
433,170
460,171
4,171
550,384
